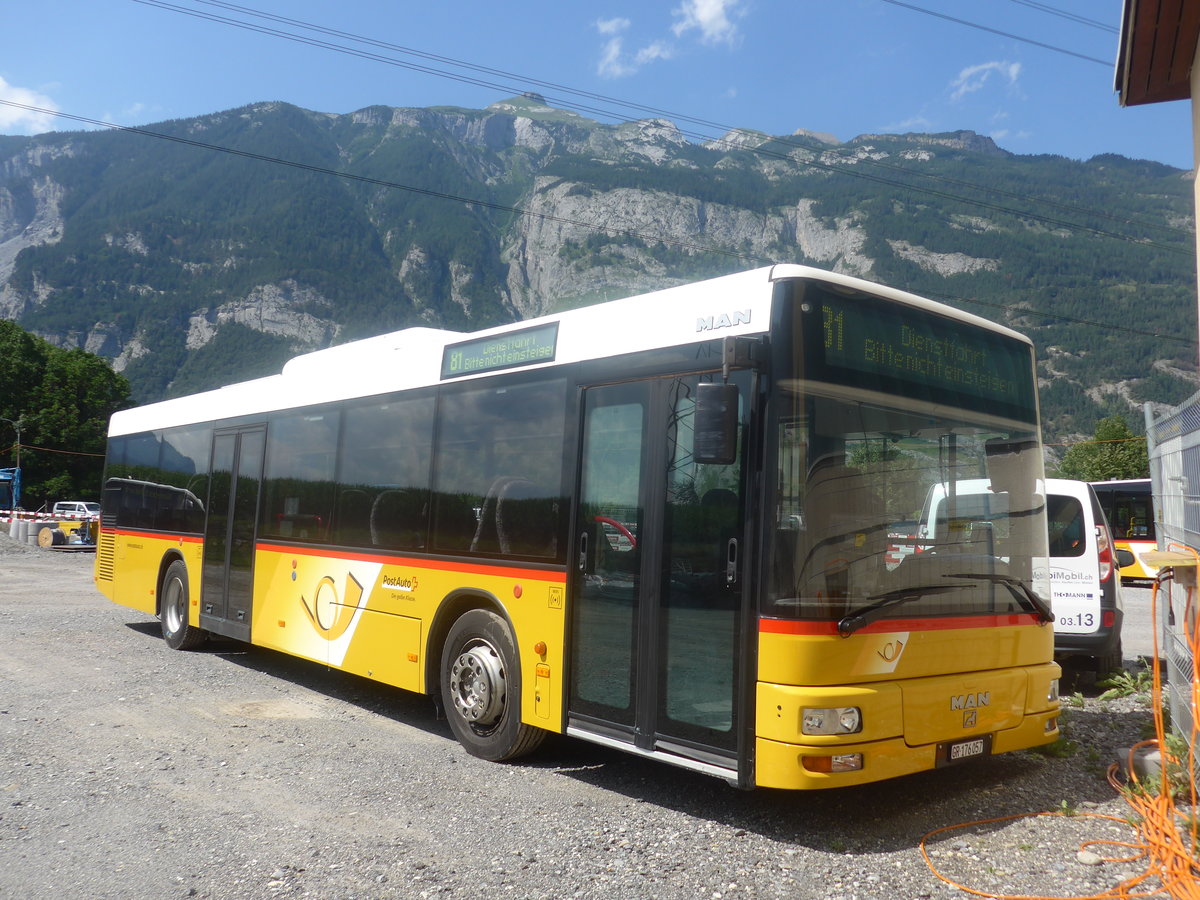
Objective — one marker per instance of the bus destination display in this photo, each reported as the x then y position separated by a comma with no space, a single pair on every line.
504,351
920,348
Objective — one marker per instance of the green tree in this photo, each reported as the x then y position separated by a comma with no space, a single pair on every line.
1116,452
63,400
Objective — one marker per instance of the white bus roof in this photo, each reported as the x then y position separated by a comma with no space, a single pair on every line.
738,304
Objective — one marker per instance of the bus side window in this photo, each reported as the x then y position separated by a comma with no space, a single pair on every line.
499,470
383,473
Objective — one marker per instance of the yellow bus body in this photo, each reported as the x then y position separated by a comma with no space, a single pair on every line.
372,616
1000,688
364,614
129,564
1138,570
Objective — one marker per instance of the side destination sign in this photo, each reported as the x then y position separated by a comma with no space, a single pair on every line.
501,351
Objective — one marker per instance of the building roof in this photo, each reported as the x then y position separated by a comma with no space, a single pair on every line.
1158,43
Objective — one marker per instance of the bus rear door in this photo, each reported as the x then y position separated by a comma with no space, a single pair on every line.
227,580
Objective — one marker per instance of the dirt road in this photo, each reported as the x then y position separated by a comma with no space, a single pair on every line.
128,770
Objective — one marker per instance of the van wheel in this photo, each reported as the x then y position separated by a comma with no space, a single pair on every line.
481,688
173,613
1112,661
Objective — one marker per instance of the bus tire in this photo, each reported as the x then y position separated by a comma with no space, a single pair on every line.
173,612
481,688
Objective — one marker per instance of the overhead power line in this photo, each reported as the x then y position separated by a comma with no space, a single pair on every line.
1072,17
1016,37
525,82
1023,311
524,211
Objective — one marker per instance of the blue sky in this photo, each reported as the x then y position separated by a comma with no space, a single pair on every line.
843,67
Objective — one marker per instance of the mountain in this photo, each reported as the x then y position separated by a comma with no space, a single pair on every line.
202,251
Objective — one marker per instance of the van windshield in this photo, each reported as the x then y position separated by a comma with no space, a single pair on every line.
913,499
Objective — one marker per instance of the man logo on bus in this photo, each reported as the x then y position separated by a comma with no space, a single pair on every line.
330,615
724,320
971,701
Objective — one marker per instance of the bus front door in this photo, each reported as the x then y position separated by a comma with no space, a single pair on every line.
227,577
658,578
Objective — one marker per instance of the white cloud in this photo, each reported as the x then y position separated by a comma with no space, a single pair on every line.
657,50
912,123
973,78
612,26
14,120
710,17
614,61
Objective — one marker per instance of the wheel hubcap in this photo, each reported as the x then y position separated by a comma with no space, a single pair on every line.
477,684
173,606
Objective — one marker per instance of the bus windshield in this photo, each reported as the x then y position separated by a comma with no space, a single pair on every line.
909,467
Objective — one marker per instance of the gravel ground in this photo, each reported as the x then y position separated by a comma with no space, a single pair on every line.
128,770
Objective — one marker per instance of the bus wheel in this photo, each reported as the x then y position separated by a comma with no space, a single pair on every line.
481,688
173,615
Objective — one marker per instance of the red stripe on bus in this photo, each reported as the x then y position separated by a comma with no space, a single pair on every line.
157,536
440,565
793,626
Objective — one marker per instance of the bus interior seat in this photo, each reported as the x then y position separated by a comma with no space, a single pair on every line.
351,518
845,539
487,537
526,520
398,519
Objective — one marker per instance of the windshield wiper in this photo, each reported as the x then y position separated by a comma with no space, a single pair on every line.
1020,590
851,622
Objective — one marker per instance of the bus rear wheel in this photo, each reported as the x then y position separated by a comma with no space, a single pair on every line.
173,614
481,688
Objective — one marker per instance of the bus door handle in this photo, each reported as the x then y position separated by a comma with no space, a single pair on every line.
731,561
583,542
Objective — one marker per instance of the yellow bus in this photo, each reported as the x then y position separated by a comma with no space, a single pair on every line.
1129,506
658,524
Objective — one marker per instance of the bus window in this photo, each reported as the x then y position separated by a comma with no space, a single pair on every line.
301,451
499,470
383,474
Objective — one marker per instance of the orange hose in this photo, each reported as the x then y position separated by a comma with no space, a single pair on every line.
1169,839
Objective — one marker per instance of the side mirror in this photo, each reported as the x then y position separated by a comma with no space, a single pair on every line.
1124,558
716,420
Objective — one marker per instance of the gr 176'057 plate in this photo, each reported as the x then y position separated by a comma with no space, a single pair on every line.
952,752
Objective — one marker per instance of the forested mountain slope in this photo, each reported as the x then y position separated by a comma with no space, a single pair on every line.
189,267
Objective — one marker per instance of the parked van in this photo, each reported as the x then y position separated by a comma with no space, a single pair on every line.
75,508
1085,591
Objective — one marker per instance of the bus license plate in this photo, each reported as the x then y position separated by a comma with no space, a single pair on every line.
960,751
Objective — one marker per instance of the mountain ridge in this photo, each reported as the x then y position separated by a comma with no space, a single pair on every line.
186,267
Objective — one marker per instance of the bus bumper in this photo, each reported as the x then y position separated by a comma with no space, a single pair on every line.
780,765
886,748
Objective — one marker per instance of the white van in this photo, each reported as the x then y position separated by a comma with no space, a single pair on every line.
1085,591
80,508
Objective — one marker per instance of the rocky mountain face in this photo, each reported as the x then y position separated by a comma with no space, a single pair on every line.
203,251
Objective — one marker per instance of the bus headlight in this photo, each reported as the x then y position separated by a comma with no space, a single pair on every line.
1052,697
835,720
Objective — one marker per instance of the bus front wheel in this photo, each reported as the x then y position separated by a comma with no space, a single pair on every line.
173,614
481,688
